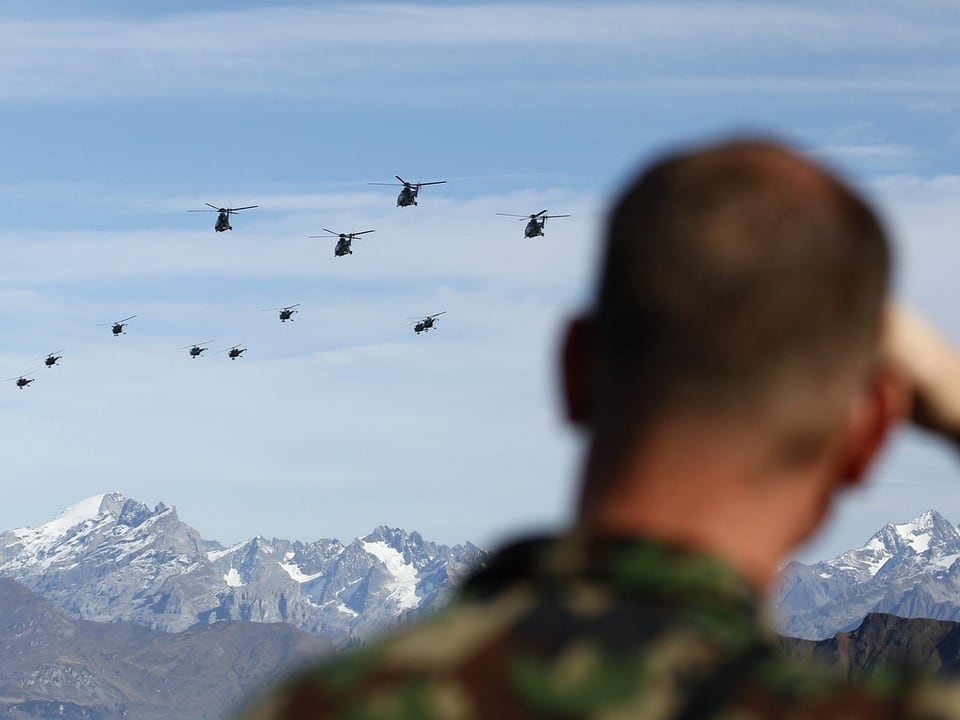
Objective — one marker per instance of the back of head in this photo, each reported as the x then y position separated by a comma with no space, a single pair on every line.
740,282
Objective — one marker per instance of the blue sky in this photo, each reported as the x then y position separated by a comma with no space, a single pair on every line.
118,117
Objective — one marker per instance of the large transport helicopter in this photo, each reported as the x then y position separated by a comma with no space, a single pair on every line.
427,323
117,328
233,352
223,215
21,380
344,240
535,222
286,313
408,196
51,359
197,349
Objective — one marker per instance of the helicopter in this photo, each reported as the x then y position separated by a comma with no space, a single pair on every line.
51,359
118,326
223,216
233,353
197,349
535,222
408,196
21,380
427,323
344,241
286,313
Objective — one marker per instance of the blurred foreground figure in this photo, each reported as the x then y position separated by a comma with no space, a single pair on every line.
739,369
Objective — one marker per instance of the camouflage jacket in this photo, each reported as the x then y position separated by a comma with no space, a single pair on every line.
590,628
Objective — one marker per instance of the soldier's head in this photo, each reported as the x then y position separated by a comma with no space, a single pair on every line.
742,285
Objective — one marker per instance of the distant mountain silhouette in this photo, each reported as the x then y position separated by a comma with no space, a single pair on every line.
885,641
55,666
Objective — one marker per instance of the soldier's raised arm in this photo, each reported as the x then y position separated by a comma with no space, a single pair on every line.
929,364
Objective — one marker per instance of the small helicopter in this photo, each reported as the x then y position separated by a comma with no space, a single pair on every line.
197,349
51,359
286,313
345,240
535,222
233,353
427,323
21,380
118,326
408,196
223,216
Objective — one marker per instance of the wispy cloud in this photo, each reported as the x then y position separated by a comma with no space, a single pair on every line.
321,51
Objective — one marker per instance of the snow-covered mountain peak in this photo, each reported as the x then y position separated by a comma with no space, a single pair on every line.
908,568
75,520
929,531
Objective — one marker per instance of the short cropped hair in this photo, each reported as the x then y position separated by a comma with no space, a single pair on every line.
736,277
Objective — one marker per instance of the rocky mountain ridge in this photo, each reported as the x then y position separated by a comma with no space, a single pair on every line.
111,558
53,665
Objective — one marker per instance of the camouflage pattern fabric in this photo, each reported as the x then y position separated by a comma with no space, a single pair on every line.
593,628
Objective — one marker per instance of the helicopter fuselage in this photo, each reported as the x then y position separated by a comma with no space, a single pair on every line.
407,196
196,351
235,353
51,360
534,228
117,329
223,222
343,247
23,382
286,315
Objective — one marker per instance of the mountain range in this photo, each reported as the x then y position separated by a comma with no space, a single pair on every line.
908,569
111,558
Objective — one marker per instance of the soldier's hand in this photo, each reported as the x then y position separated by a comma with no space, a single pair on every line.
930,366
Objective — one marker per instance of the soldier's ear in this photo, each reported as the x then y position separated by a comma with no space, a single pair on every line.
881,406
577,371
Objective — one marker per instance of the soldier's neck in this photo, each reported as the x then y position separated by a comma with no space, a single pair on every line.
711,493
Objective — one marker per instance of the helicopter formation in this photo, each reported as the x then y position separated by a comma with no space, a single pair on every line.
408,196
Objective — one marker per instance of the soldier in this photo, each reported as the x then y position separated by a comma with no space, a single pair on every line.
737,371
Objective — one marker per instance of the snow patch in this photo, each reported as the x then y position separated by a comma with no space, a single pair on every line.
232,578
296,573
214,555
403,589
345,610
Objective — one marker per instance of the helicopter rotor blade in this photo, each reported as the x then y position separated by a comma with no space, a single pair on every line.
362,232
435,182
53,354
247,207
522,217
402,180
439,314
195,345
390,184
203,211
555,216
213,206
